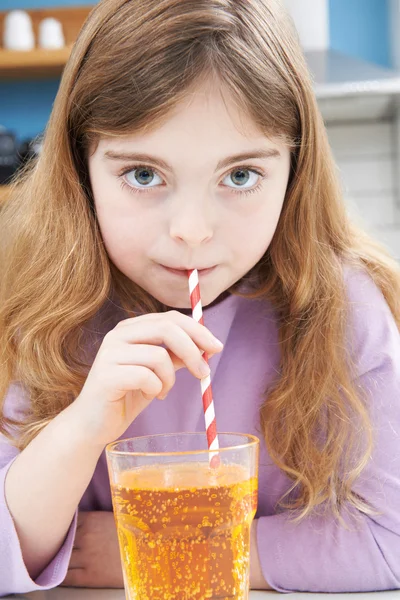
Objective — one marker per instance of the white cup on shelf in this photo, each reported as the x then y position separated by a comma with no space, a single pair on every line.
51,34
311,18
18,31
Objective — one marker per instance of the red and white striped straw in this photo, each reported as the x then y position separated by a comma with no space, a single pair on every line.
206,390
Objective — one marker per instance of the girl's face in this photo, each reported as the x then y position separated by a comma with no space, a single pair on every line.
204,190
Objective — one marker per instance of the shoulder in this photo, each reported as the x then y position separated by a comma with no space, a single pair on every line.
362,291
372,332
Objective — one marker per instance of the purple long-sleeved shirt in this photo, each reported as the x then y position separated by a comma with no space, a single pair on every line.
318,554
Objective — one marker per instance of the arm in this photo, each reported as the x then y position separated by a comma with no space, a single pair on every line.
61,461
45,482
257,581
96,563
319,554
14,577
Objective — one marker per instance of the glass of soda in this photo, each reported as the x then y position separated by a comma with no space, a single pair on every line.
183,524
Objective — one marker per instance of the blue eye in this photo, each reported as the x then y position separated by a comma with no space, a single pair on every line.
142,178
243,176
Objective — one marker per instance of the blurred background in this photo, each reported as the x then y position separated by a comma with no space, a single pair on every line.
353,51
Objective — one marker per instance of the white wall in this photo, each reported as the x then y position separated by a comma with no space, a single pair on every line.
366,155
366,151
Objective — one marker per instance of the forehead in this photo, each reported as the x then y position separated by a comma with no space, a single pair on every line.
206,125
207,109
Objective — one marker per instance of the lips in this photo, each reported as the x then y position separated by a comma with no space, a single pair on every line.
183,270
188,268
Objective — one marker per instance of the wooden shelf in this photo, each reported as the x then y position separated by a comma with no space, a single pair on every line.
40,63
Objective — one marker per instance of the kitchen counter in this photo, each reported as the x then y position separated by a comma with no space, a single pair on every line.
101,594
337,75
348,88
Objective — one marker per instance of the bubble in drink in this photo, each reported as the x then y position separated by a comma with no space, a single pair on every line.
182,541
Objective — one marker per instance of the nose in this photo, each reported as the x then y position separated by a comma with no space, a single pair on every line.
191,223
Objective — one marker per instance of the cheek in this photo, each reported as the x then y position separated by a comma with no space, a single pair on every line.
124,236
255,230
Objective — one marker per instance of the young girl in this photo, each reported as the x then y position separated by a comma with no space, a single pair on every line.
185,134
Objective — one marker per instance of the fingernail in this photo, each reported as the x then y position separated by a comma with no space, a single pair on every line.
217,344
204,369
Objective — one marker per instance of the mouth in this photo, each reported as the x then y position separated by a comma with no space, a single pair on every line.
184,272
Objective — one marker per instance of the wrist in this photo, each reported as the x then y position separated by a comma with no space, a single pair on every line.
73,426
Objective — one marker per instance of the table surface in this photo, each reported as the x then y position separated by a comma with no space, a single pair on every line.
93,594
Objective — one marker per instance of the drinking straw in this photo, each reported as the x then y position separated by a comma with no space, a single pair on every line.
206,390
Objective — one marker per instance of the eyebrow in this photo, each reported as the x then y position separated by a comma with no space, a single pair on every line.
147,158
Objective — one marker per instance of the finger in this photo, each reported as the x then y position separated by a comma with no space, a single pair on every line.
171,335
76,559
75,578
155,358
80,520
135,377
179,364
199,333
161,360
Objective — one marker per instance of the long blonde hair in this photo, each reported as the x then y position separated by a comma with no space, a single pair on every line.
133,61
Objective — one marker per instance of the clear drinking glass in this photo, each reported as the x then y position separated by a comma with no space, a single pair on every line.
184,527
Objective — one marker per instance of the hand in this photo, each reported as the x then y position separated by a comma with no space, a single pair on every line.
132,368
95,560
257,581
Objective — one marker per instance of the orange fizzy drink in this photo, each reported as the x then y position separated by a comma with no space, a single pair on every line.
184,530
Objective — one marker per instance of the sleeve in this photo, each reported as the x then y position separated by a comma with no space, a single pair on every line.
319,554
14,577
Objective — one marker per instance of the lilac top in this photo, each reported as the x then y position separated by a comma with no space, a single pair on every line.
318,554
